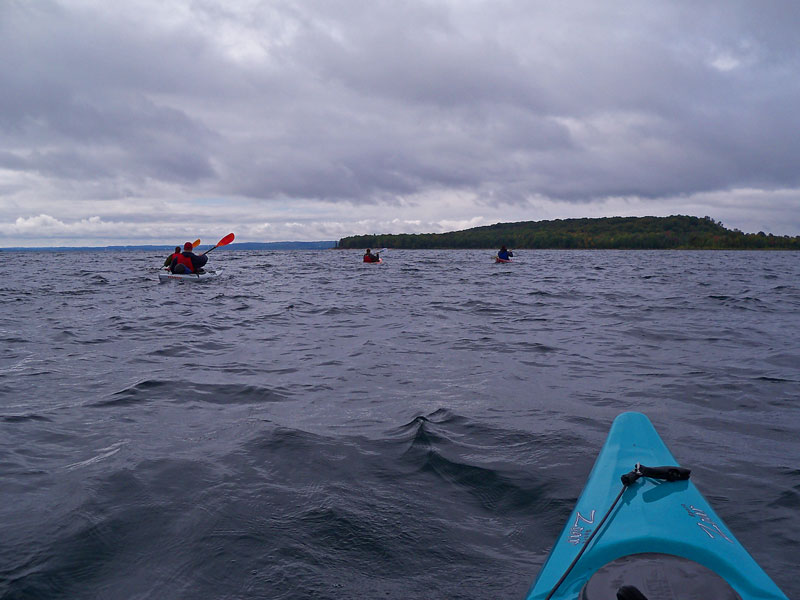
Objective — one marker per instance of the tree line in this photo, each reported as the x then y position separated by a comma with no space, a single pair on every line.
626,233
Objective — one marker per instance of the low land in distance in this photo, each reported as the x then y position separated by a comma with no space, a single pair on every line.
169,248
678,232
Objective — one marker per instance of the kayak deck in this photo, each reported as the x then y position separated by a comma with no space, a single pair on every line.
196,277
652,516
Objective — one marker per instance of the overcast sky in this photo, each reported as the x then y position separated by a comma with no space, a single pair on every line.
152,121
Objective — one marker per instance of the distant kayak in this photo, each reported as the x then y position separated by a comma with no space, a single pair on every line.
497,259
374,262
196,277
661,537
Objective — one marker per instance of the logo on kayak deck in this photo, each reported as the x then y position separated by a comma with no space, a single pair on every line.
706,523
578,533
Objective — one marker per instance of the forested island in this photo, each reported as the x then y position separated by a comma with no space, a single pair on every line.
625,233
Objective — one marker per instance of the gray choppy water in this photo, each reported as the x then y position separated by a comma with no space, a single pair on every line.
307,426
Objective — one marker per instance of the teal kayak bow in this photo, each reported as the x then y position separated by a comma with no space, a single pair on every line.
636,526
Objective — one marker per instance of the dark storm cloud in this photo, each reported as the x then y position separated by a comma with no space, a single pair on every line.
79,101
657,117
374,100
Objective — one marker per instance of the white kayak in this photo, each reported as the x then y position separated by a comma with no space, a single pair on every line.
196,277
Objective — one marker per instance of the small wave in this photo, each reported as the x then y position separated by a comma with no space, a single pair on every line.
442,443
339,310
534,347
790,496
739,302
23,418
153,390
64,335
540,293
104,453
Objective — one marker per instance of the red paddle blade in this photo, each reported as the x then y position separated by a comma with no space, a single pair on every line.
226,240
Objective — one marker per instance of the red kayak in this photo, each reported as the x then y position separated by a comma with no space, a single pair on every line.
497,259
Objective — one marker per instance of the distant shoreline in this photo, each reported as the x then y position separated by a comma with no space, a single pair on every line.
678,232
323,245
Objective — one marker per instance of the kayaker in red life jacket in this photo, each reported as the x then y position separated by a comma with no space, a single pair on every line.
370,257
187,261
168,262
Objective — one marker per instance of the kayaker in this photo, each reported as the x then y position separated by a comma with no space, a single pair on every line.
369,257
504,254
168,262
187,261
